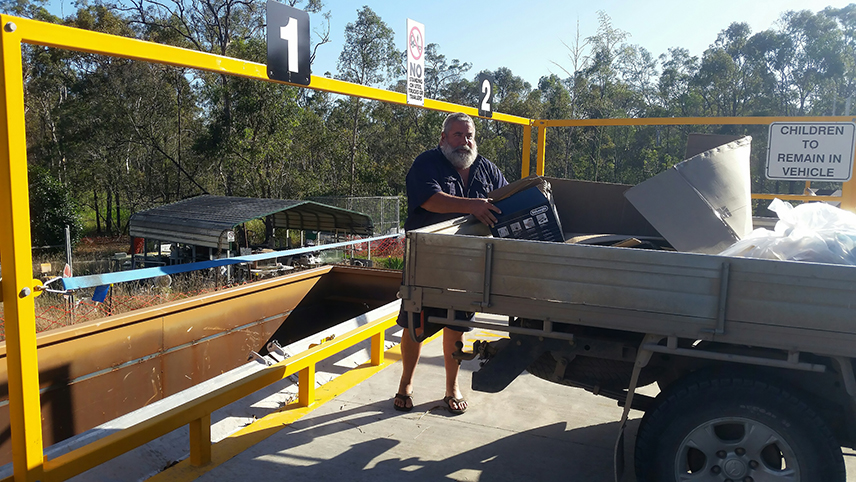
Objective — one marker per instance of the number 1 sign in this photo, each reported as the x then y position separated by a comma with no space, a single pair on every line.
287,44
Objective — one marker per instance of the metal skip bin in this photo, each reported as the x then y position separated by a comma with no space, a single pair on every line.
94,372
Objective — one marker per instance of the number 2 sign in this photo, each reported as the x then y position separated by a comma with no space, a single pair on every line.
287,44
486,85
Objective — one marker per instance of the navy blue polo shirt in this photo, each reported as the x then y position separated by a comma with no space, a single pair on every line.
431,173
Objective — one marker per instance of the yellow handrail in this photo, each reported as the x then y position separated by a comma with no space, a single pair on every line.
15,244
198,412
848,188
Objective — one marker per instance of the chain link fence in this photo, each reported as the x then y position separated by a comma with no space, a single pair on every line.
384,210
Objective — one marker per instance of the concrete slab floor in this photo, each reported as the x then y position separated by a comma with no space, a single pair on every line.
533,430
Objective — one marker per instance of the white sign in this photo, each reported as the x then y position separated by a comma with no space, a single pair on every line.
415,63
811,151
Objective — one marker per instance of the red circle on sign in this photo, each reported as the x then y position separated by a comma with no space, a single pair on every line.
415,43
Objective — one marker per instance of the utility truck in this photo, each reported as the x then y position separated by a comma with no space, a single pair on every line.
753,358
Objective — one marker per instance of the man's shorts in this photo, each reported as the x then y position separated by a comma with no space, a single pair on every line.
459,315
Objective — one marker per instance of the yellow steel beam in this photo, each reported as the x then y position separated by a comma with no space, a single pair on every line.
200,441
848,195
16,253
797,197
663,121
80,460
377,349
306,385
527,144
848,188
52,35
542,151
265,427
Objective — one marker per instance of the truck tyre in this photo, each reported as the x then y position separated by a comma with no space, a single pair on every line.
736,429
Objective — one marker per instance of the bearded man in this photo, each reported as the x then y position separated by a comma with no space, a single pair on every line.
443,183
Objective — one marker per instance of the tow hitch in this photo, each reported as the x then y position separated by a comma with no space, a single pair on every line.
503,360
481,348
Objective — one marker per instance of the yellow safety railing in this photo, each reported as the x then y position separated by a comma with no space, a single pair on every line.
197,413
19,288
848,189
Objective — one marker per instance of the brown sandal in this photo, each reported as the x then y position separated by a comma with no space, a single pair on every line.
458,402
404,399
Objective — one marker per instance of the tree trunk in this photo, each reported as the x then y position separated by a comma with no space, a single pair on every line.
108,213
118,216
97,211
354,144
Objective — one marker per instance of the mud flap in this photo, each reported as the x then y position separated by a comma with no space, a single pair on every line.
510,360
642,359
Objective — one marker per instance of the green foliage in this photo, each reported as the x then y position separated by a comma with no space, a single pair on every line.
369,55
122,136
51,210
392,262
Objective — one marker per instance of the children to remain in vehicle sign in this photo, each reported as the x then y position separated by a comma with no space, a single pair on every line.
811,151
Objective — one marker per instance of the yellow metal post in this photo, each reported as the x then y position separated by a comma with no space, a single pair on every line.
16,255
377,348
306,386
542,148
200,441
848,195
527,144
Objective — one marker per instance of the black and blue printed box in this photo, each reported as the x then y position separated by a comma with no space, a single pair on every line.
528,214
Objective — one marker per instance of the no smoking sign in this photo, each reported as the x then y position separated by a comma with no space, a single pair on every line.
415,63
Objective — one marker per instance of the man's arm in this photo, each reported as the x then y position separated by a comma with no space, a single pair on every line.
444,203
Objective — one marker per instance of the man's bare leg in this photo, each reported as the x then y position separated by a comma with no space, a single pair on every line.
450,337
410,352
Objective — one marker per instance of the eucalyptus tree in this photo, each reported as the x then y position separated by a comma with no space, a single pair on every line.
728,79
846,19
369,57
818,46
557,103
602,93
440,73
222,27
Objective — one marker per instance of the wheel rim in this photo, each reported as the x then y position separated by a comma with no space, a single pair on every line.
736,449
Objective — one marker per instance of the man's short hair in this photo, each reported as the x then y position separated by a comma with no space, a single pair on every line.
456,117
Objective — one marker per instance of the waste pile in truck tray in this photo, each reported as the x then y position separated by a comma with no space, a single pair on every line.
701,205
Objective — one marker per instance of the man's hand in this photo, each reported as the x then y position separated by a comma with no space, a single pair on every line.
483,210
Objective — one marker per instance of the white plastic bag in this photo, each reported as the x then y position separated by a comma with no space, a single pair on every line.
815,232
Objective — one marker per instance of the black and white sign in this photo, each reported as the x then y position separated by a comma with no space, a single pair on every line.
486,84
415,63
811,151
287,44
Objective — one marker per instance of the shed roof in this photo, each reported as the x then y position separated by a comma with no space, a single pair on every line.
205,220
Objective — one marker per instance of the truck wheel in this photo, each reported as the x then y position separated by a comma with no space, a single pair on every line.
735,429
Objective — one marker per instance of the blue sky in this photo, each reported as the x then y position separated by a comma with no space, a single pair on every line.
528,39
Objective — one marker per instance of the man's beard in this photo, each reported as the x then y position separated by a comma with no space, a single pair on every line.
462,157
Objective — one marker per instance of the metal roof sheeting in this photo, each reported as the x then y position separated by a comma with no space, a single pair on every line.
205,220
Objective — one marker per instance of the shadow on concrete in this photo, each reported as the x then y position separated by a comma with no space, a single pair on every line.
380,448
